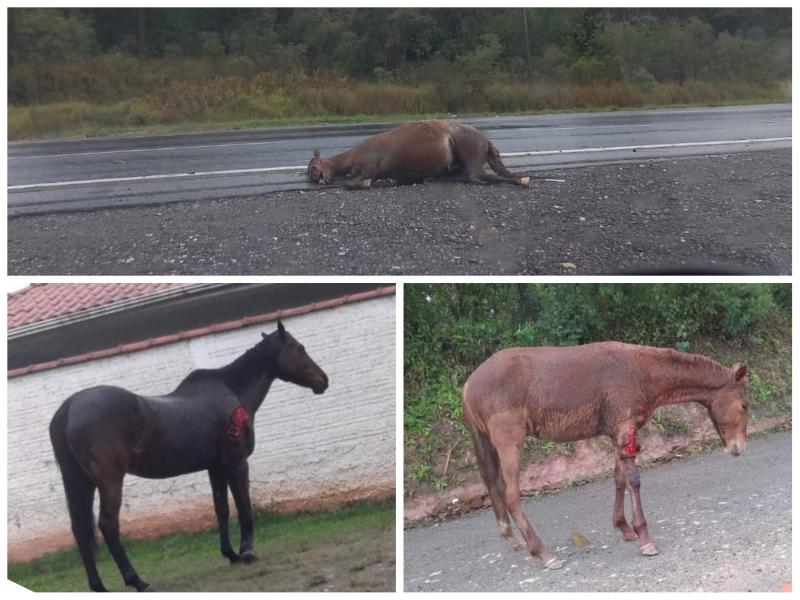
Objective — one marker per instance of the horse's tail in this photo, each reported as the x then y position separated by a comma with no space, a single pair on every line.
79,488
485,452
496,163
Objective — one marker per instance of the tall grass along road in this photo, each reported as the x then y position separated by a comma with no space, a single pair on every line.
52,176
352,550
722,524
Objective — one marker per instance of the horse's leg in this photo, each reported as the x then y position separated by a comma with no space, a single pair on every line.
239,481
618,516
628,448
219,488
110,502
507,435
489,467
474,170
358,183
490,178
646,544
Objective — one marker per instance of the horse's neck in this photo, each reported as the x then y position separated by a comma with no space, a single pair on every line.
249,379
679,378
342,163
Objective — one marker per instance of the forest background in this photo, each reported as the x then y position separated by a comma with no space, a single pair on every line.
90,71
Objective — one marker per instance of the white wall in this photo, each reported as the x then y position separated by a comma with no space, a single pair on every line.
310,450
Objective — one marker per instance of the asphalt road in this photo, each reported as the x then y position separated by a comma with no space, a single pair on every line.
85,174
728,213
721,524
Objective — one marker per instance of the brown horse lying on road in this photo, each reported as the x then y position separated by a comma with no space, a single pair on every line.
414,152
573,393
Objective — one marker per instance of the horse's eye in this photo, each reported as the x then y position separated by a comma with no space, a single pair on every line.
744,407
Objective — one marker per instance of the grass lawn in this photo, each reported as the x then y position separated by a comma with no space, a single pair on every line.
352,549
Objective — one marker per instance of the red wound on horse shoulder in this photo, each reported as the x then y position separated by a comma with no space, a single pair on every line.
236,423
630,449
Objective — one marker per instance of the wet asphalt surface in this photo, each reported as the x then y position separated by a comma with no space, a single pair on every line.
696,213
49,176
720,523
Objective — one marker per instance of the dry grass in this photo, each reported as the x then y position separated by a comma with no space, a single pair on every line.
115,93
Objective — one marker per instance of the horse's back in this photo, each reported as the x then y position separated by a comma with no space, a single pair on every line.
547,384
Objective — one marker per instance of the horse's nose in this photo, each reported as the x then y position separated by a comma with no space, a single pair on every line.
319,389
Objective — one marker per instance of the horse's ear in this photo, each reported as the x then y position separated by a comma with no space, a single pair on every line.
264,335
739,371
281,330
316,153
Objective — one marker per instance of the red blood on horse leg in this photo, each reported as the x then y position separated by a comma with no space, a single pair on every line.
631,449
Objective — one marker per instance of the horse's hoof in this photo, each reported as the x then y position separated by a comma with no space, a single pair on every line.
515,541
649,549
554,564
232,556
630,537
367,183
148,588
248,556
524,182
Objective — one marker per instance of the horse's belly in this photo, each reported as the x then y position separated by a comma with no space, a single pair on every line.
182,453
431,159
562,427
159,468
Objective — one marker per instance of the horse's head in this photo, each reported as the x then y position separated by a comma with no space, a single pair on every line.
294,365
728,410
320,170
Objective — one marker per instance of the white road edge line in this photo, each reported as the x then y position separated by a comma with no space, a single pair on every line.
302,167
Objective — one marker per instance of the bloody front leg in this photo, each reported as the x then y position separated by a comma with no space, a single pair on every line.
628,449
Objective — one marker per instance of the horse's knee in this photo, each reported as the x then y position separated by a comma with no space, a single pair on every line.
108,526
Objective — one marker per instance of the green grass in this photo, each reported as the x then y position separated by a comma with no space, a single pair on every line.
347,550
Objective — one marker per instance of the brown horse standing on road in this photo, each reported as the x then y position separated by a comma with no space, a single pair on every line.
573,393
416,151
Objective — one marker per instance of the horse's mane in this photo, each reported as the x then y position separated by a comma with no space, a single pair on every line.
252,359
682,358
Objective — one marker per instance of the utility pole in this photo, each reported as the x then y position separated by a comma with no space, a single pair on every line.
527,46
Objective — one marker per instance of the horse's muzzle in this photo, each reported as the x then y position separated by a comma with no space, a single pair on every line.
734,449
320,388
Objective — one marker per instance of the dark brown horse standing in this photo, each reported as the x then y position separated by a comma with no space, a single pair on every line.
573,393
99,434
414,152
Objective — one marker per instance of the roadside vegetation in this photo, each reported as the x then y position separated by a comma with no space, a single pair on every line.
451,328
85,71
352,549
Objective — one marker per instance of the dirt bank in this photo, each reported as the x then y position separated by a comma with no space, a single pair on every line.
589,459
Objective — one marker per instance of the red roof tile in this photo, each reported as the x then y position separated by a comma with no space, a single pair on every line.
388,290
43,301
